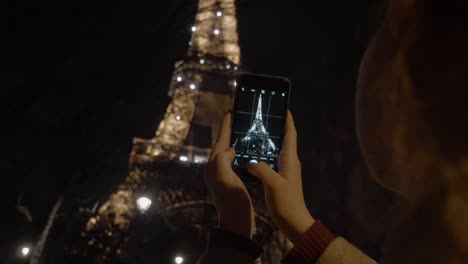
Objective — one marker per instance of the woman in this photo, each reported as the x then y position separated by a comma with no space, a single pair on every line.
412,126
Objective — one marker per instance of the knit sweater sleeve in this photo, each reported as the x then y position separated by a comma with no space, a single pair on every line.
319,245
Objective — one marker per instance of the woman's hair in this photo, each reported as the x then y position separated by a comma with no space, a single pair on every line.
436,60
413,122
418,74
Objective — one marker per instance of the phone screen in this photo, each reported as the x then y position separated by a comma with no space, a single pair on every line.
259,116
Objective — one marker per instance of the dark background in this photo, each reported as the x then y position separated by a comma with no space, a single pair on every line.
82,79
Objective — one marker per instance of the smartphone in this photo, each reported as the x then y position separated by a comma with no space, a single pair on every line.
258,120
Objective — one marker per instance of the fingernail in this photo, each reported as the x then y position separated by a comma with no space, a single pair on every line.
251,165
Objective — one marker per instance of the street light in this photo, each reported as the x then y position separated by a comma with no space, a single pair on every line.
25,251
143,203
178,260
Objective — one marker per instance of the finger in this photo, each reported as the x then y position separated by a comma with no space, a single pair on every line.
267,175
290,136
223,161
222,143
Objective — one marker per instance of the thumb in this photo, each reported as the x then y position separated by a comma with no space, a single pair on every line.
267,175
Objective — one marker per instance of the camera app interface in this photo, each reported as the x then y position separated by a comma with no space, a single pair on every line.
258,125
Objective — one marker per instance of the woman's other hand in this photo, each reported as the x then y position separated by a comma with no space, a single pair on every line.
283,189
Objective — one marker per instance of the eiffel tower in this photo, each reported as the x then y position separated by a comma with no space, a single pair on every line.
166,169
256,142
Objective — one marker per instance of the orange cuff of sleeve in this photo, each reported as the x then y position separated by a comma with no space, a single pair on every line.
310,246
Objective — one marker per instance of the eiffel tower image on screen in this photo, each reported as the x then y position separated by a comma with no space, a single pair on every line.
257,141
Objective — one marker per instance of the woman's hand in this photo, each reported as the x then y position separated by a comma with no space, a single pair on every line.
283,190
235,210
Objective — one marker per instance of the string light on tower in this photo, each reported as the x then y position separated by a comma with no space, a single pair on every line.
179,78
193,86
194,28
199,159
216,32
219,13
143,203
202,61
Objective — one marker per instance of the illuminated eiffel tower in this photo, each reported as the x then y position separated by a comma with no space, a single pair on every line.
257,142
166,169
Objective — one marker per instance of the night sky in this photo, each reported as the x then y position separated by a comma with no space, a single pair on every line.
83,79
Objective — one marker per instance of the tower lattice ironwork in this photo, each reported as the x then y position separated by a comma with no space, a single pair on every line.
167,166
